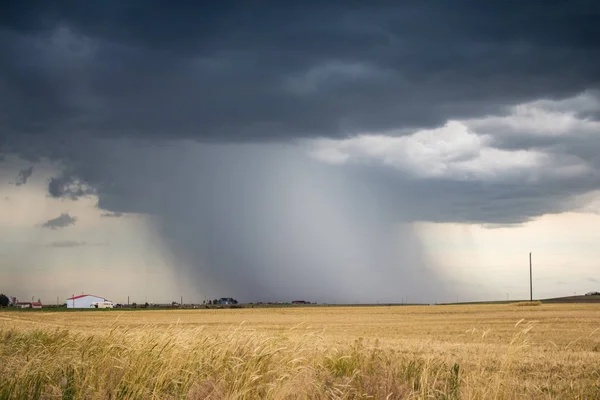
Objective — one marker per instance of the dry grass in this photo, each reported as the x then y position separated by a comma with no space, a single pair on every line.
429,352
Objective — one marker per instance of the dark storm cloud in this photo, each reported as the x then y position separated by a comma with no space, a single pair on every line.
23,176
62,221
235,71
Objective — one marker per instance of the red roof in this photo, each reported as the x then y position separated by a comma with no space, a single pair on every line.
84,295
36,303
78,297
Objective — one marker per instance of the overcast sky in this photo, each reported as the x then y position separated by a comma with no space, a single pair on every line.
328,151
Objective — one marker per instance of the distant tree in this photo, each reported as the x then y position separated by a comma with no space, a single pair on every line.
4,300
216,301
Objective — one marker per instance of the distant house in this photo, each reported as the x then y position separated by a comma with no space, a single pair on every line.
29,304
300,302
227,300
86,301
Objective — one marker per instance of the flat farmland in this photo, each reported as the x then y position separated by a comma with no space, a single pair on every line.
507,351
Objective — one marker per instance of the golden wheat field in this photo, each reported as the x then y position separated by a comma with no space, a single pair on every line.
411,352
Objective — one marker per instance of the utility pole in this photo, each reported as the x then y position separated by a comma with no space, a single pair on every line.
530,280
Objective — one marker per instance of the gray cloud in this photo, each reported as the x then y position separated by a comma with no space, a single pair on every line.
62,221
23,176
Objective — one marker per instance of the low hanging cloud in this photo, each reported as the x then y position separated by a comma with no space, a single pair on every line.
62,221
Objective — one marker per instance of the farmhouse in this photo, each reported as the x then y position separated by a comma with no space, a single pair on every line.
29,304
84,301
226,300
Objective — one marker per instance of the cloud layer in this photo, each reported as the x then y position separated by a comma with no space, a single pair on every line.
236,72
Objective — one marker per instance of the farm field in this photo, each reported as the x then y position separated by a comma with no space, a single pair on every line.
506,351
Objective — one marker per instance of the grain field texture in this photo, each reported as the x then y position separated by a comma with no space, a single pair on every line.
411,352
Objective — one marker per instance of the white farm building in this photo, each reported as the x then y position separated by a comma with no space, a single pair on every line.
88,301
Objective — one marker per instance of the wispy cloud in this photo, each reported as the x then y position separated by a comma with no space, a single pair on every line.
67,243
74,243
